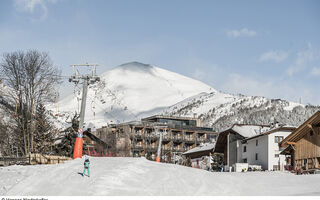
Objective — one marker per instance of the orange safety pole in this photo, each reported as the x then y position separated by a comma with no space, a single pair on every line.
77,152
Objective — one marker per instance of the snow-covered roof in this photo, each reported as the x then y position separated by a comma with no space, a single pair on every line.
204,147
249,130
272,130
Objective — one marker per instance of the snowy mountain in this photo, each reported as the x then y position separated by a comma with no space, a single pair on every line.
221,111
134,90
129,92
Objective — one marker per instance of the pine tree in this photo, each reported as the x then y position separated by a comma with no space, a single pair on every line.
44,132
66,145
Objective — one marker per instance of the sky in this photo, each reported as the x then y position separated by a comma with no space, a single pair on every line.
260,48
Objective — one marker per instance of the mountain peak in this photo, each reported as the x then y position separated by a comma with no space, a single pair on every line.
135,66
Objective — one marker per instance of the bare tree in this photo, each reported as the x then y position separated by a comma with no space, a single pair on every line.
31,78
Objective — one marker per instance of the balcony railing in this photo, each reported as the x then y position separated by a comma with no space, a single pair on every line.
166,138
177,137
168,148
188,148
177,148
137,146
152,148
201,139
189,138
151,136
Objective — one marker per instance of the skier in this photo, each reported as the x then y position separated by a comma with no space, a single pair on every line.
86,167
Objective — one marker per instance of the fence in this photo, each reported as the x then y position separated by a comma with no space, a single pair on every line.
46,159
93,153
33,159
5,161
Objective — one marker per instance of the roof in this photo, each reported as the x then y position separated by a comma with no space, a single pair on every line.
205,147
248,130
270,131
168,117
287,150
242,131
303,129
147,124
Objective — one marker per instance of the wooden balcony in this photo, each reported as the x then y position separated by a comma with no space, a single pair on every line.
177,148
177,138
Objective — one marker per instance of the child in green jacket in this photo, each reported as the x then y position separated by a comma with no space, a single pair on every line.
86,167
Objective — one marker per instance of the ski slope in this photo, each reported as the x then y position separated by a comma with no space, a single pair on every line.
138,176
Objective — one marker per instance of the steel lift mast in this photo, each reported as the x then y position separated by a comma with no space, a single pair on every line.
160,134
86,80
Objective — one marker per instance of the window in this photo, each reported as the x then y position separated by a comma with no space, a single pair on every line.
276,155
278,139
256,156
305,161
245,160
245,149
256,142
311,133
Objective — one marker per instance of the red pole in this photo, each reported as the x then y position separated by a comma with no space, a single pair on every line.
77,152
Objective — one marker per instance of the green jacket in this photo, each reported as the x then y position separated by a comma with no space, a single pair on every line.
86,164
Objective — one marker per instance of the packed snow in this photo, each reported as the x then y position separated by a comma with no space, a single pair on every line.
204,147
138,176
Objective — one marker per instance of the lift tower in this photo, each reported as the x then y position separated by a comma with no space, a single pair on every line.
86,79
160,134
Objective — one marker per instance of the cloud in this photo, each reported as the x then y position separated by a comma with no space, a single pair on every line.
315,71
244,32
303,59
237,83
276,56
34,7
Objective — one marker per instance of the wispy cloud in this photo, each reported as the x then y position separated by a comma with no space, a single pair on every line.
33,6
270,88
315,71
303,59
244,32
276,56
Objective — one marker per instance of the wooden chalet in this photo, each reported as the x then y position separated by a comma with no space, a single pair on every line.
303,145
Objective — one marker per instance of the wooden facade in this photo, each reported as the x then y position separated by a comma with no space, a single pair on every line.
304,144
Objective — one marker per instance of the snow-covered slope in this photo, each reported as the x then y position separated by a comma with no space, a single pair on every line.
131,91
138,176
221,111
